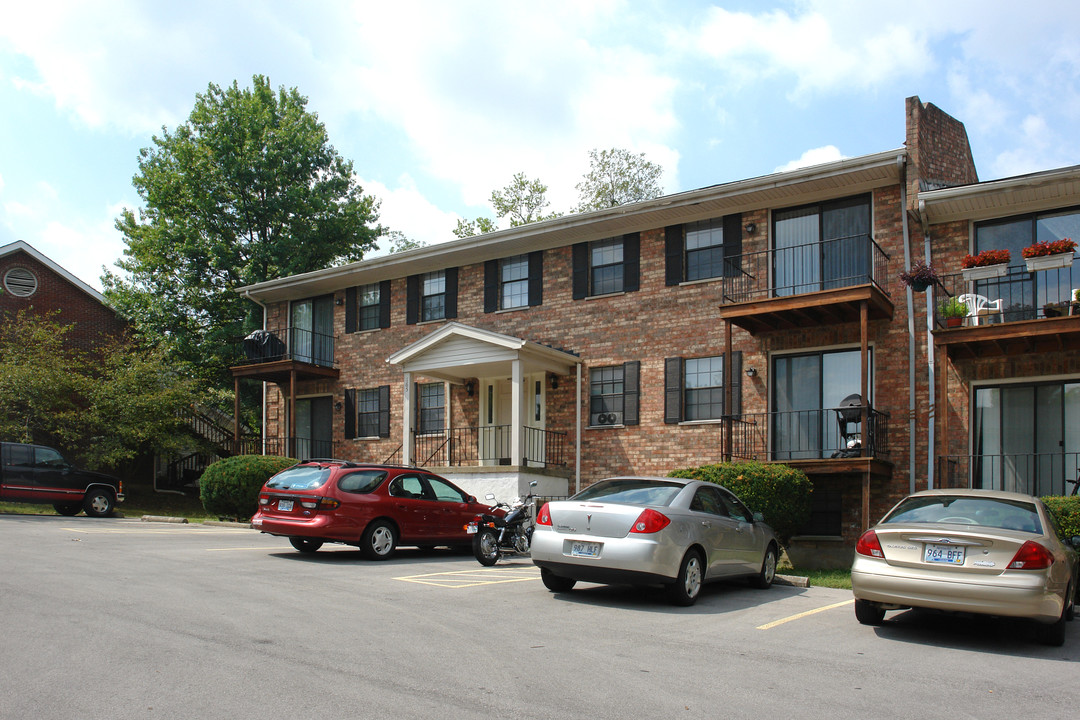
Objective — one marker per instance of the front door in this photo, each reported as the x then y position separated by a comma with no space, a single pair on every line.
496,421
314,428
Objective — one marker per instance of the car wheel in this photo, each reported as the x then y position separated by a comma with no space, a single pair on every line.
556,583
764,579
67,509
486,548
1054,634
98,503
379,540
869,613
305,545
687,586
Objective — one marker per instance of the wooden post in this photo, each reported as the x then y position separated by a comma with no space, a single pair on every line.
236,415
864,392
729,382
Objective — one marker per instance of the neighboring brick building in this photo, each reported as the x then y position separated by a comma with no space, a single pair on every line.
743,320
32,282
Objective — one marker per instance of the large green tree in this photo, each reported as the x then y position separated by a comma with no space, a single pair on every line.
248,189
617,177
104,407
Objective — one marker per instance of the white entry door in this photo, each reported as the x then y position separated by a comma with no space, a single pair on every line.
496,420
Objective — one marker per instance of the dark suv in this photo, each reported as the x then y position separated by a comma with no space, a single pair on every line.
374,507
39,474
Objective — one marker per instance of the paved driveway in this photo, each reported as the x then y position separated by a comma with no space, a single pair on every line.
123,619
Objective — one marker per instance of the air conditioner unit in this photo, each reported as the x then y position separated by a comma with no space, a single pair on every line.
605,418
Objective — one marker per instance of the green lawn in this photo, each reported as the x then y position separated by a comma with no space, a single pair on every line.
840,579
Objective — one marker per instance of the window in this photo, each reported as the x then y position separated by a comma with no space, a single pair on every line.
1026,293
20,282
694,388
703,249
311,335
430,408
822,246
606,266
613,395
431,296
367,413
514,282
367,307
444,491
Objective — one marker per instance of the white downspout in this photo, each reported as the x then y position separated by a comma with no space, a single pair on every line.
577,448
932,375
901,162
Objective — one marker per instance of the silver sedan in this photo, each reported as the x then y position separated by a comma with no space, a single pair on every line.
653,531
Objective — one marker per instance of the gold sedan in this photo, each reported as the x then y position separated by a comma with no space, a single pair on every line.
974,551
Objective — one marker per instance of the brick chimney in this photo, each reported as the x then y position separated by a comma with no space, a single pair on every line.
937,144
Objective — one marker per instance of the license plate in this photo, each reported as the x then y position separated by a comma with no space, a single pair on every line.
945,554
585,549
470,529
284,505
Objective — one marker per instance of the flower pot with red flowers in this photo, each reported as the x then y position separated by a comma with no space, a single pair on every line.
1049,255
985,265
919,277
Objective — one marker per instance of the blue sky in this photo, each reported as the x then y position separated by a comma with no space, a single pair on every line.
438,103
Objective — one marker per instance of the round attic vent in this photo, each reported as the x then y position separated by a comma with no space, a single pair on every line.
20,282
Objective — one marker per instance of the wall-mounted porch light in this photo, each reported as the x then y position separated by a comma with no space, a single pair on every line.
751,372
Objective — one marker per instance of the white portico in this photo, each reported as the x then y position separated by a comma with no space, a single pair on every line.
510,437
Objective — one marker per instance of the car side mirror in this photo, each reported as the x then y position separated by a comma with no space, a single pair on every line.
759,518
1076,541
489,496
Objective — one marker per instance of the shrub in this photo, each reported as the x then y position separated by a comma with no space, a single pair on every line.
1067,511
779,492
230,487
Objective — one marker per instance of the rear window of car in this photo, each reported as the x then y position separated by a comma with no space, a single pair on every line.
302,477
362,481
632,492
983,511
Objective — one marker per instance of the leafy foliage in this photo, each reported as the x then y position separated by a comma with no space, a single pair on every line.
779,492
985,258
523,201
617,177
1067,511
399,242
230,487
248,189
104,408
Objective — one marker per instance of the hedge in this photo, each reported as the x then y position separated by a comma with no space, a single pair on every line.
230,487
1067,511
779,492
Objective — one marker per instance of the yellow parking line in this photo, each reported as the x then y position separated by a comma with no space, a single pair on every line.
774,623
469,578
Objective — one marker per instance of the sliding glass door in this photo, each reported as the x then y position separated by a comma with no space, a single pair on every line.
312,331
822,246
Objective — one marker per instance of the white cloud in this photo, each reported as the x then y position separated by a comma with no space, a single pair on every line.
814,156
405,209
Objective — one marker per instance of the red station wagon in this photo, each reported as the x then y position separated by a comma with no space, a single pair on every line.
375,507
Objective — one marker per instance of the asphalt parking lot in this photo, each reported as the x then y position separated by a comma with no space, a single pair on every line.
125,619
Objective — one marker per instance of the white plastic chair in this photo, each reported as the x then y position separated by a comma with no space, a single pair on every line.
980,306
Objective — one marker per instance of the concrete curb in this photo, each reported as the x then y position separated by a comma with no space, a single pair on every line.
792,580
164,519
227,523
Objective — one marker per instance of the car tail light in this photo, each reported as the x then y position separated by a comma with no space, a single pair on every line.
263,500
650,521
1031,556
868,544
320,503
544,516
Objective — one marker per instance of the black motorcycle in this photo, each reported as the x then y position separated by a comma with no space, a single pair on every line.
497,535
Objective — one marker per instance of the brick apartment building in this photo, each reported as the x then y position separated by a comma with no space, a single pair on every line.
31,281
758,319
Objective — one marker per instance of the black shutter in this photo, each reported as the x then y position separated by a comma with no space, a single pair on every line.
412,299
384,304
673,390
536,278
732,244
673,254
581,270
631,393
350,414
384,411
631,262
350,310
491,286
451,292
736,384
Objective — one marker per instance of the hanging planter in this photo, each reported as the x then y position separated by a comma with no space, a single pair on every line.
920,277
987,264
1049,255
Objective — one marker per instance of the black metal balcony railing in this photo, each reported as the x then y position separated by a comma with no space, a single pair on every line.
1029,473
300,448
796,270
470,446
291,343
807,435
1023,295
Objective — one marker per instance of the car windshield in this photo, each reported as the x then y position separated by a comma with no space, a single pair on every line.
301,477
632,491
984,511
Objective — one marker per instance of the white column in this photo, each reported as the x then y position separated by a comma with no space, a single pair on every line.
406,421
577,443
517,402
